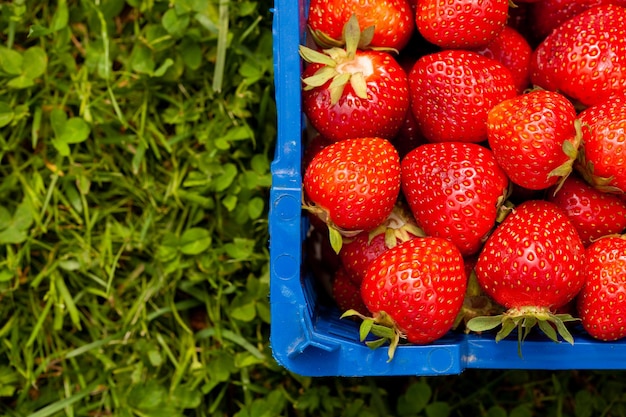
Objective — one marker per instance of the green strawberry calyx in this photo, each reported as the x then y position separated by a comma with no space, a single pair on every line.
399,227
570,149
323,40
380,325
586,169
336,233
342,65
524,319
351,32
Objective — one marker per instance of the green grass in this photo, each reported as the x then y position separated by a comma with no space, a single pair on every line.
135,145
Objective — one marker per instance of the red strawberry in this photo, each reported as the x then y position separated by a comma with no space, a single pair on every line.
415,291
454,190
585,57
452,92
602,300
534,138
512,50
547,15
592,212
392,20
531,265
352,93
358,252
461,23
353,184
346,293
603,155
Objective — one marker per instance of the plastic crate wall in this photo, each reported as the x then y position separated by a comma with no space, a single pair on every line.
308,338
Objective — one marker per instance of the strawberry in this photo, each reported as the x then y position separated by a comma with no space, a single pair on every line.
585,57
459,24
358,252
534,138
452,91
547,15
602,300
454,190
603,158
353,185
392,21
531,265
512,50
415,291
592,212
351,92
347,293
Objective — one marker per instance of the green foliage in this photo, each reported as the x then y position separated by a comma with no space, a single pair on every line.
135,146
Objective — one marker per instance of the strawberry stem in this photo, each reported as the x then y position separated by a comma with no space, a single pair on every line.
504,210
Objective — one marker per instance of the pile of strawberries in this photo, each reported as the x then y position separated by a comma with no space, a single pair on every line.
466,163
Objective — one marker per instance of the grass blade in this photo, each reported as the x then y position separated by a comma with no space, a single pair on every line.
57,406
222,46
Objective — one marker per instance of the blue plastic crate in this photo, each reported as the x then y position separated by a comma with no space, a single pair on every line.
307,336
